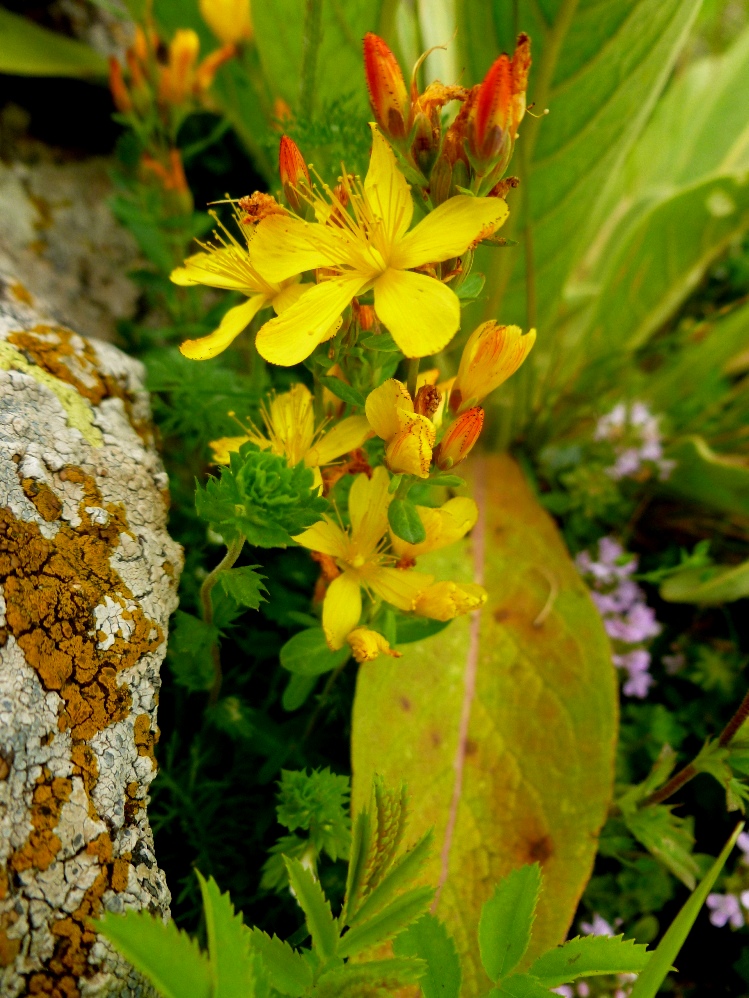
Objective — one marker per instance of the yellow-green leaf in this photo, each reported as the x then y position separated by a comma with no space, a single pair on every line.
26,49
503,726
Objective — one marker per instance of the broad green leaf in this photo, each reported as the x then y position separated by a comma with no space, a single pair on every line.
344,391
520,986
410,629
168,957
244,585
26,49
228,944
702,476
668,837
405,521
530,777
386,924
589,956
297,691
315,906
707,586
428,939
307,653
662,960
287,970
507,919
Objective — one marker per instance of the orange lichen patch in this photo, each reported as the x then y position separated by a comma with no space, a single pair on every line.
20,293
145,739
86,766
43,845
47,504
9,949
133,803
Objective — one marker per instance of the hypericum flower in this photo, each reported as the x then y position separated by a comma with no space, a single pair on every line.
491,355
365,244
182,77
459,439
442,526
229,20
295,178
498,108
358,556
290,431
409,435
367,645
388,93
445,600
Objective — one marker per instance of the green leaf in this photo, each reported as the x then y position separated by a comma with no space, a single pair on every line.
244,586
429,939
190,644
383,342
471,287
168,957
307,653
297,691
400,875
660,963
520,986
361,843
375,977
343,391
702,476
447,481
405,521
315,906
26,49
709,586
507,919
232,965
386,924
667,837
589,956
539,641
410,629
287,970
318,803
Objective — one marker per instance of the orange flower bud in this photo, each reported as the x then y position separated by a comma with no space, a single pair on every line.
365,316
388,94
498,109
120,93
460,438
177,77
294,173
446,600
209,66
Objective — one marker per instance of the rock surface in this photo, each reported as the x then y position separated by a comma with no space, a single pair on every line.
88,578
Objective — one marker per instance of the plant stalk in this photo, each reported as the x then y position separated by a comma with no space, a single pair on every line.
412,374
232,553
310,49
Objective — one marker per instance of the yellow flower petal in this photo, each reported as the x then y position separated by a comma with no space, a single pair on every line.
325,537
289,296
491,355
345,436
341,609
284,246
382,407
449,230
422,314
292,336
292,422
367,645
399,587
386,189
368,508
443,526
445,600
225,446
222,268
410,450
232,324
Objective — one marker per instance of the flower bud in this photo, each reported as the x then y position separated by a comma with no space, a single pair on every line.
409,452
207,69
229,20
120,93
440,179
294,174
497,110
445,600
388,94
460,438
177,77
427,401
426,142
491,355
368,645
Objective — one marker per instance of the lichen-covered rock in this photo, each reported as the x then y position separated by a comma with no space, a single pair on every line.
88,578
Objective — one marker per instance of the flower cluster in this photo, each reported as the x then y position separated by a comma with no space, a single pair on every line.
635,434
628,620
726,909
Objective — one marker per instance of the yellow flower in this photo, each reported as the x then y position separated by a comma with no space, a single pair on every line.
491,355
409,436
443,526
229,20
445,600
358,554
291,432
368,645
370,247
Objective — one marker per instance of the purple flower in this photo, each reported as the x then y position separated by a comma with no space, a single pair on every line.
638,685
725,909
598,927
743,843
563,989
636,437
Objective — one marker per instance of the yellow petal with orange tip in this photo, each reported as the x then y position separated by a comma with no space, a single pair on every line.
409,452
491,355
326,537
386,189
422,313
383,405
449,230
445,600
341,609
367,645
443,526
233,323
399,587
368,503
345,436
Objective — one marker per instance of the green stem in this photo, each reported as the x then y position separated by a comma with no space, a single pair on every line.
412,374
232,553
310,48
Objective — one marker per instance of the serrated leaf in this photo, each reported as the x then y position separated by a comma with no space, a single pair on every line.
667,837
315,906
401,875
190,644
708,586
520,986
507,919
244,586
232,964
540,647
589,956
361,841
307,654
660,963
386,924
168,957
27,49
343,391
429,939
287,970
405,521
362,980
